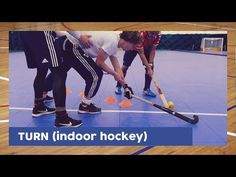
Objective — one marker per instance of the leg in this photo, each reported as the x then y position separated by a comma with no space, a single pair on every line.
148,80
59,88
59,75
39,107
34,48
146,90
39,83
124,70
127,61
48,83
92,75
89,71
46,52
47,88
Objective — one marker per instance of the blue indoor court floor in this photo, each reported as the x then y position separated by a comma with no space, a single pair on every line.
195,82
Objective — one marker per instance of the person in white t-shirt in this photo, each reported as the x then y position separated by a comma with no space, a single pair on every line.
86,52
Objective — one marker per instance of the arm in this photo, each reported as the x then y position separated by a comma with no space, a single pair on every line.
75,34
128,90
116,65
100,61
84,39
152,54
145,62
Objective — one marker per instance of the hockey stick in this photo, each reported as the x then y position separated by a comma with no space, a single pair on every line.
161,94
193,120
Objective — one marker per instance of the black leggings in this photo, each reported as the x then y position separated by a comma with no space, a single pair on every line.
75,58
56,80
42,83
48,83
59,76
86,67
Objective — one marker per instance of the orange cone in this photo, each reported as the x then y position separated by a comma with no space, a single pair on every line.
68,91
81,94
110,100
126,103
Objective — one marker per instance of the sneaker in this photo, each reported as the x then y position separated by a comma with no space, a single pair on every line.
66,121
118,90
48,99
148,92
90,109
42,110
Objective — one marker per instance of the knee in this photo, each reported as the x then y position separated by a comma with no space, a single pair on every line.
98,77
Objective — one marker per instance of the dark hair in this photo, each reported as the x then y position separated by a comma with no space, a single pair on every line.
131,36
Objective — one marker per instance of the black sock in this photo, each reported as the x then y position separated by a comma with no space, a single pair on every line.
60,114
148,80
38,102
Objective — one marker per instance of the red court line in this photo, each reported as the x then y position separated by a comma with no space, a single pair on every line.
67,27
120,28
116,29
2,106
231,76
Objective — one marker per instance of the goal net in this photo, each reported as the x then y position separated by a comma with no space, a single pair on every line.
212,44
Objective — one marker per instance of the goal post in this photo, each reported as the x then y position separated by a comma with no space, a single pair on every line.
212,44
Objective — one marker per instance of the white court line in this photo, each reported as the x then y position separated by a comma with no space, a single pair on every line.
228,133
4,78
231,134
133,111
4,47
3,121
210,26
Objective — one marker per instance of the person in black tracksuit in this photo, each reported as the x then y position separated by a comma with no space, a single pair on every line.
88,70
89,61
43,51
75,57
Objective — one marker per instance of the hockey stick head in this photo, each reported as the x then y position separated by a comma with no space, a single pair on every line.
195,119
